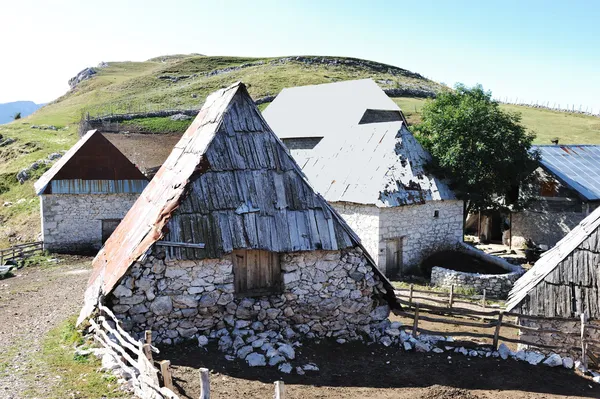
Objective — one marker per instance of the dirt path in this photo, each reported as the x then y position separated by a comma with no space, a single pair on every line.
31,304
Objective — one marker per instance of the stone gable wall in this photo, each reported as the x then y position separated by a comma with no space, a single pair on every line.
73,222
421,232
364,220
325,293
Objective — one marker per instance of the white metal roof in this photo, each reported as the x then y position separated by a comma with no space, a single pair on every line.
374,163
551,259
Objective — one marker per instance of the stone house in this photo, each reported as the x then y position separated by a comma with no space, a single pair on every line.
85,194
566,187
229,234
563,283
352,142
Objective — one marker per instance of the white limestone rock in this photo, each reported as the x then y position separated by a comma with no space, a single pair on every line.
386,341
534,358
503,351
407,346
161,306
287,351
244,351
256,360
285,368
568,363
554,360
275,360
202,340
310,367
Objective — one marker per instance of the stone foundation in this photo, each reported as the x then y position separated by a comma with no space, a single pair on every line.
324,294
495,285
72,223
561,341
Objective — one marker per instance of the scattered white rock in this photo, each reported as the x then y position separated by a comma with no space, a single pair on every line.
422,347
407,346
386,341
568,363
285,368
553,360
287,351
310,367
202,340
437,350
256,360
503,351
299,371
534,358
275,360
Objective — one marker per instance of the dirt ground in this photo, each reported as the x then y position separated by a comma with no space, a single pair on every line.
32,303
353,371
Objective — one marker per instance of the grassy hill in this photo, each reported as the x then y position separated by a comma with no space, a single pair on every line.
182,81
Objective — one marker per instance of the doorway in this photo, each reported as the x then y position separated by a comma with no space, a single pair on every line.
393,257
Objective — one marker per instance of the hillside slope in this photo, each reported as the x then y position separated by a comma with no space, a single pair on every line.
180,81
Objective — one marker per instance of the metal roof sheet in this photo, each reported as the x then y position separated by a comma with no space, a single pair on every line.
551,259
93,157
578,166
231,182
377,163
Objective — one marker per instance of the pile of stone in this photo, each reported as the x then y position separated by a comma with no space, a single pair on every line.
6,141
44,127
25,174
180,117
85,74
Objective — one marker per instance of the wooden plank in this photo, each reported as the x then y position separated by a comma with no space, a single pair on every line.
279,390
497,331
180,244
239,270
204,383
456,333
165,371
416,322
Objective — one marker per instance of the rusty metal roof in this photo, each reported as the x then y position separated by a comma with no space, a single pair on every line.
92,158
367,155
577,166
229,183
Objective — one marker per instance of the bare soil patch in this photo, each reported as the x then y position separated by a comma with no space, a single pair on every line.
353,371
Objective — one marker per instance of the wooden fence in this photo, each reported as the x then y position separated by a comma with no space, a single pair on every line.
486,318
20,252
134,357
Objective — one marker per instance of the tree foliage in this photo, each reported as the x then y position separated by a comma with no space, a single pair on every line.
484,151
17,116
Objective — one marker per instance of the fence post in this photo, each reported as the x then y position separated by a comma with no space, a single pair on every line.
147,346
451,298
204,384
483,299
279,390
165,370
416,321
497,331
410,294
583,343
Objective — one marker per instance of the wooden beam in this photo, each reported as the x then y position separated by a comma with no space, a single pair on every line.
279,390
180,244
165,370
204,384
497,332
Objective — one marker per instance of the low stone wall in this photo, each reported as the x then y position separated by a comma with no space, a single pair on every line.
324,293
495,285
561,341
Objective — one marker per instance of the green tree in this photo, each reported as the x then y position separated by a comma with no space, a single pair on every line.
17,116
484,151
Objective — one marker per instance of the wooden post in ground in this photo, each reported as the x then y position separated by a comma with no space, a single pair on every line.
204,384
147,347
497,331
451,297
483,299
410,294
279,390
165,370
416,322
583,343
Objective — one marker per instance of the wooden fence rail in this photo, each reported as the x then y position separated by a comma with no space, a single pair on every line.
488,319
20,252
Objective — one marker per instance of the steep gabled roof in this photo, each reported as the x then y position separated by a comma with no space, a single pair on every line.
551,259
229,184
577,166
367,155
93,157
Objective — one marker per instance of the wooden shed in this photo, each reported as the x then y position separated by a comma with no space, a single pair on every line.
563,283
229,233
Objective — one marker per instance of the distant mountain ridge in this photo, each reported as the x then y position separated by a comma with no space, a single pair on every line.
8,110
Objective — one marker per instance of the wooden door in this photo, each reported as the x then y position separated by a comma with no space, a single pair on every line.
393,257
108,227
256,272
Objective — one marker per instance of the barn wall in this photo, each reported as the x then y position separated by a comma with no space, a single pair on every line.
422,233
561,341
364,220
73,222
324,293
545,228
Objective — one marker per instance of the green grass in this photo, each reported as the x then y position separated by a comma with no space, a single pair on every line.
158,125
568,127
79,374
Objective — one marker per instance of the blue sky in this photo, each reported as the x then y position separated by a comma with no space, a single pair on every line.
533,50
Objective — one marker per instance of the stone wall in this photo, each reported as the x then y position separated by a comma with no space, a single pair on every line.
73,222
543,228
495,285
364,220
421,232
324,293
555,339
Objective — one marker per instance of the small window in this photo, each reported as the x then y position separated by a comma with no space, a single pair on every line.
256,272
108,227
436,214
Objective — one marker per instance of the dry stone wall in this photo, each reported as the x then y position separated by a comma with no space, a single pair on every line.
495,285
325,294
364,220
73,222
422,233
543,228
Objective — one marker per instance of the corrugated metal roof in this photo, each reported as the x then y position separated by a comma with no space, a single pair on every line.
578,166
372,163
78,186
551,259
229,183
93,157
